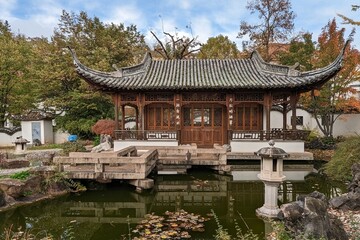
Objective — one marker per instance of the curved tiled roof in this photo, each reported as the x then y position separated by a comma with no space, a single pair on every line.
197,74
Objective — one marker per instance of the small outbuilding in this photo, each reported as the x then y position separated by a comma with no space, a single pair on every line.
37,127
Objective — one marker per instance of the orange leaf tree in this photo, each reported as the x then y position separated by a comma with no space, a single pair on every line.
334,97
104,126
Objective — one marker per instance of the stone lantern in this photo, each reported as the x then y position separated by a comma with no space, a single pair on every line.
20,144
271,174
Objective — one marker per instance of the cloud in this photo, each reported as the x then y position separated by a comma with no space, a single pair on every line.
31,18
128,14
202,28
6,7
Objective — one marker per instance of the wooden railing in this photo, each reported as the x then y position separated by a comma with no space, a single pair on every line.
146,135
275,133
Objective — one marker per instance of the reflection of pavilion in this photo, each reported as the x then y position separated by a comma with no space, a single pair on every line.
193,193
132,211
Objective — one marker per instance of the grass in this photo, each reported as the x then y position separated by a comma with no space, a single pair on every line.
46,146
20,175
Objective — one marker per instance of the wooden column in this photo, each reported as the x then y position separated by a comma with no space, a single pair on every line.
293,101
284,105
177,107
141,120
116,111
123,117
284,111
267,106
230,98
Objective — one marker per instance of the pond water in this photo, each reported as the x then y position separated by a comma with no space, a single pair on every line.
110,212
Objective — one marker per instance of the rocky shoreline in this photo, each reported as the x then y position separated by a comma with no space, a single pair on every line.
37,187
314,216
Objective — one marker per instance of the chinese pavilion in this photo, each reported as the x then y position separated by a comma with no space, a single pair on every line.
207,101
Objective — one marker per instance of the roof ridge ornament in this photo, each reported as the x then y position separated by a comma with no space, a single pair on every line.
274,68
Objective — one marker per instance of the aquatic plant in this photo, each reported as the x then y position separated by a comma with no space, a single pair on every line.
223,234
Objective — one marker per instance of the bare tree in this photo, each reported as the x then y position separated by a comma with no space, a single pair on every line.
175,47
277,23
348,20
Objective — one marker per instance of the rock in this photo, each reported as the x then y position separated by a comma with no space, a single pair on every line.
315,206
44,157
350,200
12,187
14,163
3,156
2,198
292,211
16,188
339,201
308,218
32,185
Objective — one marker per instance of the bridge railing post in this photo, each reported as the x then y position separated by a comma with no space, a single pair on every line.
99,167
61,167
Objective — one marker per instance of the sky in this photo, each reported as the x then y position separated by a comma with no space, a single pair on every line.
196,18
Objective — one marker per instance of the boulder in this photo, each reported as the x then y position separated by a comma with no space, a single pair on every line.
14,163
12,187
350,200
2,198
308,218
16,188
44,157
3,156
32,185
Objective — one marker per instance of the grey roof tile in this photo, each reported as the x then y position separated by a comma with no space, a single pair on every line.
197,74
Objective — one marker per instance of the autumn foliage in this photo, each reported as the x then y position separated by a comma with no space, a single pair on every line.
104,126
336,96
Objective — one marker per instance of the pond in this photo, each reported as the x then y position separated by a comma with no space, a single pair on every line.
109,213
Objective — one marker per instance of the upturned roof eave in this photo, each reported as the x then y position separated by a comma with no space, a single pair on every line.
296,81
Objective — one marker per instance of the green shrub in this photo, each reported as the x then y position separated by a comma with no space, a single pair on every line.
324,143
73,147
346,154
96,140
21,175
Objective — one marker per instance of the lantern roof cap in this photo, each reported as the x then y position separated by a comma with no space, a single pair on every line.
271,151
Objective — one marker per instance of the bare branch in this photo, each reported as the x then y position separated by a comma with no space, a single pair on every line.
161,45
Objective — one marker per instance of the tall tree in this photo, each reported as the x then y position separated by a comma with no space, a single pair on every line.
175,47
348,20
98,45
17,81
335,97
301,50
276,23
219,47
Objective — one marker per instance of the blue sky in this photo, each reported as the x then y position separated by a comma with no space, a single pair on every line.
201,18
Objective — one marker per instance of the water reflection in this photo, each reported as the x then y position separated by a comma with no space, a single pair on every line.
108,214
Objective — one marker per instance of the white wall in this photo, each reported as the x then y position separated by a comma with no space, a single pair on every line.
253,146
345,125
47,133
26,130
7,140
60,136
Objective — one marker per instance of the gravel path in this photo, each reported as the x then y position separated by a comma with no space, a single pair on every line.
351,221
